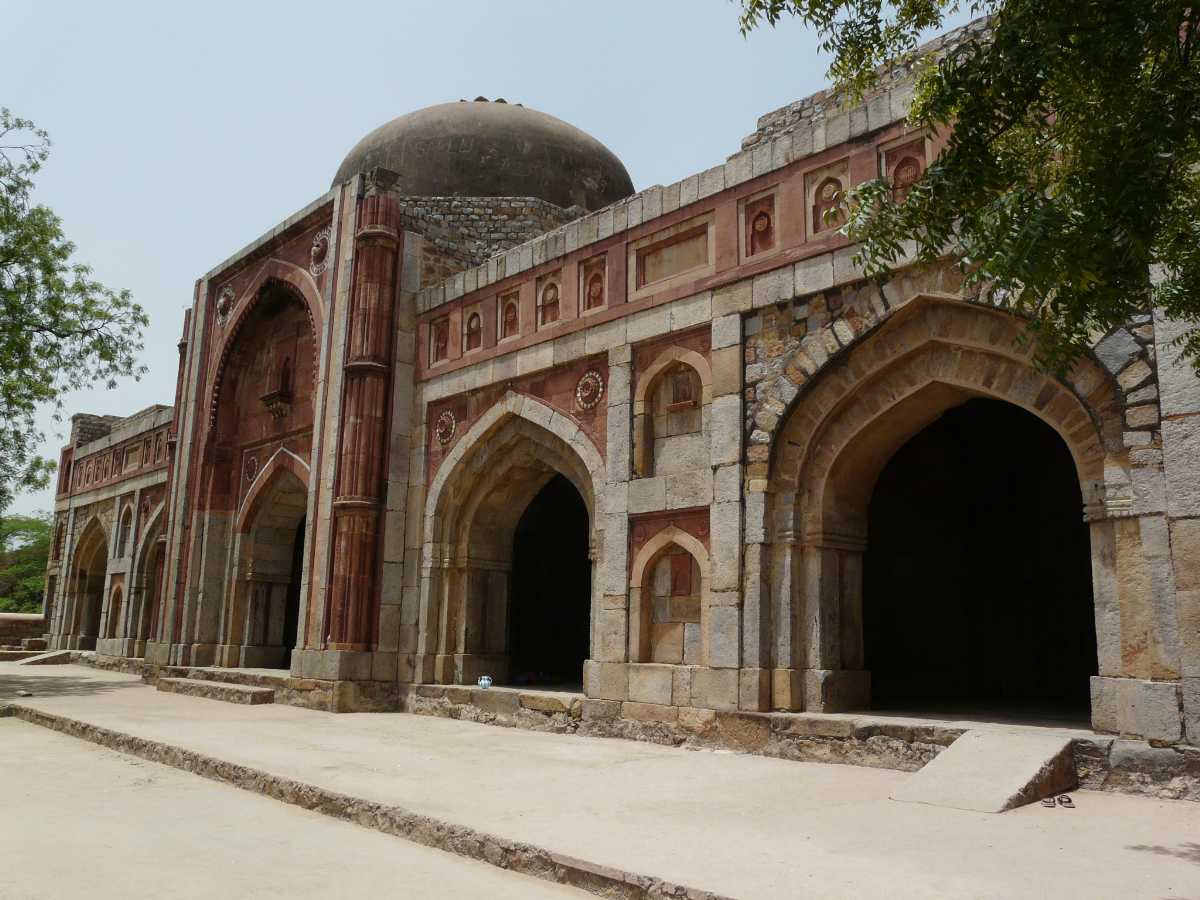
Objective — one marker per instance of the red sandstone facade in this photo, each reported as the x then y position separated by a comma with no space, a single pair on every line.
369,416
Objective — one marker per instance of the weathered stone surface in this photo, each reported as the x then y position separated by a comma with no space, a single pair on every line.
1181,462
1117,350
993,771
215,690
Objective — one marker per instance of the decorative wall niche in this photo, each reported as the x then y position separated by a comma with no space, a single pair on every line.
549,299
439,340
903,164
593,286
824,190
472,338
759,225
672,256
508,315
674,585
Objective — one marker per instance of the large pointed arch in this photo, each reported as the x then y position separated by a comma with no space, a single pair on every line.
471,513
274,271
929,356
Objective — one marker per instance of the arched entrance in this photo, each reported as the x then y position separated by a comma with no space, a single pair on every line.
508,586
977,593
88,582
550,589
938,409
144,596
262,619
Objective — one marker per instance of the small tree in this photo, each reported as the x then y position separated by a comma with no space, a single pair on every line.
1073,168
24,553
60,330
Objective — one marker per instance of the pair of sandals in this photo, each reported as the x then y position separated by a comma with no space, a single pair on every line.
1063,800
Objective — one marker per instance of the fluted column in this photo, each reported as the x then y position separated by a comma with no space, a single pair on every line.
359,486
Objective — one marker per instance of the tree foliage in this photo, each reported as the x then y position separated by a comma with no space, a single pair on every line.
60,329
1073,167
24,553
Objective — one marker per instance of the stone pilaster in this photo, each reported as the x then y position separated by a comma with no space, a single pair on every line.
362,451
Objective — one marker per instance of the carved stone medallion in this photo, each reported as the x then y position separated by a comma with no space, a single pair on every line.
589,390
319,254
224,304
444,427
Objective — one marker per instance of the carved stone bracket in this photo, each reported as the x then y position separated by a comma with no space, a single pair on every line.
278,403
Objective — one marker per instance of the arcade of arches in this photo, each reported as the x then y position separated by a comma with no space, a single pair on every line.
672,453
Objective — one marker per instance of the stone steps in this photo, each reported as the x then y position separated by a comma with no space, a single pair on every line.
217,690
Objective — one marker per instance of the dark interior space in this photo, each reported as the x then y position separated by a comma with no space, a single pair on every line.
551,589
977,579
291,608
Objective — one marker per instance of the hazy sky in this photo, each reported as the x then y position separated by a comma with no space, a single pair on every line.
184,131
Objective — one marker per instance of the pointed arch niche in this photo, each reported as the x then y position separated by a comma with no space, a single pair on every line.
931,356
474,508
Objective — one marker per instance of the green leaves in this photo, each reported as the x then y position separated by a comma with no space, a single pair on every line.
60,329
24,553
1070,171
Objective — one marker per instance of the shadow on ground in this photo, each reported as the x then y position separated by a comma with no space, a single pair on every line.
58,686
1189,852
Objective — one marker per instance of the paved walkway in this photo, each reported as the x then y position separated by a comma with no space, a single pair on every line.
744,826
82,821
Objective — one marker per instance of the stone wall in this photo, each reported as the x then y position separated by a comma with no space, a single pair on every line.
470,229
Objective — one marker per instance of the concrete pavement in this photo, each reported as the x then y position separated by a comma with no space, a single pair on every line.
739,825
82,821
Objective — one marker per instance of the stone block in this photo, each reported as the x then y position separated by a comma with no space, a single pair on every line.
726,371
754,689
726,330
815,274
648,324
773,287
1181,462
687,489
651,684
601,710
733,298
666,642
828,690
383,666
743,732
724,636
647,494
696,720
1117,350
681,685
1191,711
547,703
606,680
612,637
814,726
787,689
499,703
691,310
715,688
1177,381
726,429
1133,707
649,712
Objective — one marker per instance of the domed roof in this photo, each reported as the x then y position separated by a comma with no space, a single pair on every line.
483,149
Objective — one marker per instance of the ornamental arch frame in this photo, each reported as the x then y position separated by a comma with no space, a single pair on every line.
928,355
472,507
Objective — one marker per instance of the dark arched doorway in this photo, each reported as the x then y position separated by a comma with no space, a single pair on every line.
977,578
549,618
291,607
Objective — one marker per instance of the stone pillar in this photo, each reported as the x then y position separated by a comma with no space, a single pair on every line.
831,591
362,451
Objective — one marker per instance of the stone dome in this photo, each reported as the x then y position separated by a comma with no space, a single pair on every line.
491,149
